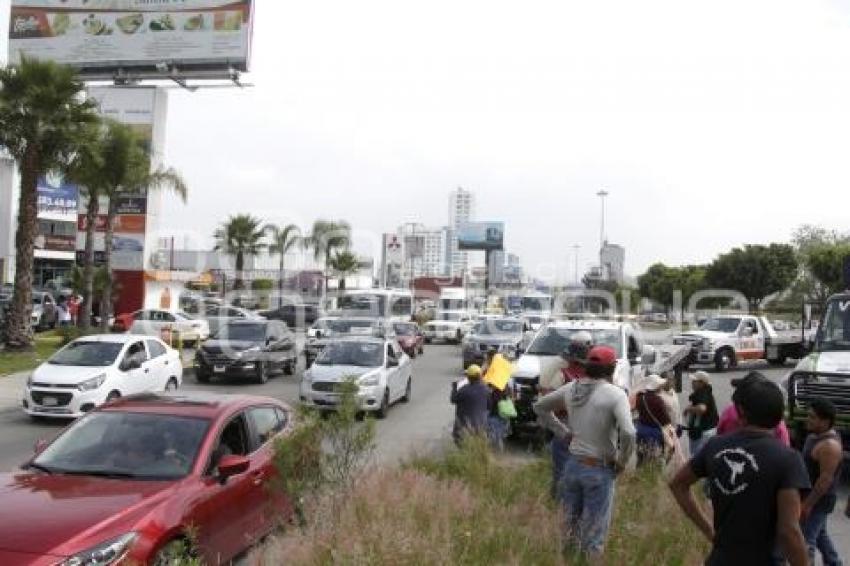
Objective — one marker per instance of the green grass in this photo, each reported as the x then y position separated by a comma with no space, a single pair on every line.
14,362
471,507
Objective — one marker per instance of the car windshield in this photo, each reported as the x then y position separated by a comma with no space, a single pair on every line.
367,304
404,329
352,326
361,354
126,445
242,332
499,327
834,333
721,324
450,316
536,304
87,353
553,341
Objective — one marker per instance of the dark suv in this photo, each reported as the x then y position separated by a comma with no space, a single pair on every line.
249,348
295,316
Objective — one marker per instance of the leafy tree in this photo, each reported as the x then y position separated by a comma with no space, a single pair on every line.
121,164
45,119
826,264
326,237
756,271
343,264
284,239
659,283
240,236
809,239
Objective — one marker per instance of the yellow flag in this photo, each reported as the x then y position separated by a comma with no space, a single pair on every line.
499,372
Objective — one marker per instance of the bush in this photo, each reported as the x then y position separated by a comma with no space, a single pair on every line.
262,284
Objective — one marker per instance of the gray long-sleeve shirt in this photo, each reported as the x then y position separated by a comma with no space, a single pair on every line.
599,418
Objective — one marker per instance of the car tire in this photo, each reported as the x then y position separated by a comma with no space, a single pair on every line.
724,360
382,411
408,391
172,385
262,373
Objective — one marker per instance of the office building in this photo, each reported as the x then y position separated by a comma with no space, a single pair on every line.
461,211
612,260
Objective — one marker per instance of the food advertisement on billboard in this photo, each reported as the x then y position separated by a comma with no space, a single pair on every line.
100,35
481,236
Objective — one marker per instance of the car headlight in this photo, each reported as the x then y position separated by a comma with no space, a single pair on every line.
103,554
371,380
93,383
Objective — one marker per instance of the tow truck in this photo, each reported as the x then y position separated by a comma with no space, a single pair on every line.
824,373
723,341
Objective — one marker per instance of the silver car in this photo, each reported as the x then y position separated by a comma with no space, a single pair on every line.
218,316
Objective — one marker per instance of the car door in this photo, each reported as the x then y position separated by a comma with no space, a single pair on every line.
392,367
750,340
160,366
222,514
266,423
135,380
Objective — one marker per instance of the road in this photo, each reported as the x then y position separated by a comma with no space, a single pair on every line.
420,426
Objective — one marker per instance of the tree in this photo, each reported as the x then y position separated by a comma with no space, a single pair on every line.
808,239
126,168
326,237
826,263
45,118
659,283
284,239
241,235
756,271
344,263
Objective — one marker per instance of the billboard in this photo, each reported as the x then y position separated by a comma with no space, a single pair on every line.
57,199
481,236
101,36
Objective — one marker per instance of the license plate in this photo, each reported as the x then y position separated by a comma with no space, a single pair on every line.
218,369
49,401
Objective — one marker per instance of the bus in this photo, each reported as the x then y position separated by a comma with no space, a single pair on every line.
391,304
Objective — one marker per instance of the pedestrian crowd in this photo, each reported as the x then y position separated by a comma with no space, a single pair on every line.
760,502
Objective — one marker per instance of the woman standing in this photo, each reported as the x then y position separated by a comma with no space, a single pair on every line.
701,415
652,418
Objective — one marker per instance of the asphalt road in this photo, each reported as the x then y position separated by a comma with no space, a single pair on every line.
420,426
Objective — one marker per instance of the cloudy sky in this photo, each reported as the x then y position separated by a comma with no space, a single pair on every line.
711,124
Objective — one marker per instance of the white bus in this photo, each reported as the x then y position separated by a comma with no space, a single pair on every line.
392,304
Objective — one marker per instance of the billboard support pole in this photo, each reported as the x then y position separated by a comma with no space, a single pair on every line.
487,255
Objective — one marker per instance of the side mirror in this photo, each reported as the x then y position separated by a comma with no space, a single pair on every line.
649,356
232,465
39,446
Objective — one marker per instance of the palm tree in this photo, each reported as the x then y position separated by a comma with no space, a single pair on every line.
127,168
344,263
326,237
45,119
241,235
284,239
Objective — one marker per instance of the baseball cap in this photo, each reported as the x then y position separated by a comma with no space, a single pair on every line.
473,371
701,376
602,355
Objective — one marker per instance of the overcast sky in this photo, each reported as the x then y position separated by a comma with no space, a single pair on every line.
712,124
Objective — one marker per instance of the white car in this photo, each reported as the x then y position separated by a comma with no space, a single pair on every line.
448,326
152,322
93,370
322,325
381,370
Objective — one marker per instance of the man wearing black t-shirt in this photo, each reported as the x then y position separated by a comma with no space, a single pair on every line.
754,482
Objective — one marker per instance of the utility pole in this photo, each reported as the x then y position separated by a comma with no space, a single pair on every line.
602,194
576,248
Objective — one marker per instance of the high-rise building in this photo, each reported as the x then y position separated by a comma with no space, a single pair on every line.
612,259
427,250
461,211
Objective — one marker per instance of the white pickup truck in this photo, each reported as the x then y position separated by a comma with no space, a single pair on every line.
726,340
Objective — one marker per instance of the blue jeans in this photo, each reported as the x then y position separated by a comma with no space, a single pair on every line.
497,430
817,539
588,497
560,455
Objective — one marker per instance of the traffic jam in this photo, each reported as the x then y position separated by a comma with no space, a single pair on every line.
142,458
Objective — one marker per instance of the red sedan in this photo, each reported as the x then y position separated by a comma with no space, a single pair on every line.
410,338
136,479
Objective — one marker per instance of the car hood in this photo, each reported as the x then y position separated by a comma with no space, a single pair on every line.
710,334
338,373
217,346
828,362
40,513
530,365
66,375
496,339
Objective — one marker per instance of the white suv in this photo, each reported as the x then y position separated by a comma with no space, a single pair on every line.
93,370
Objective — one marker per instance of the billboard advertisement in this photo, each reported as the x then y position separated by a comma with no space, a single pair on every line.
57,199
102,36
488,236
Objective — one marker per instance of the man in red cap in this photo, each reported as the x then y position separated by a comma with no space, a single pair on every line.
603,440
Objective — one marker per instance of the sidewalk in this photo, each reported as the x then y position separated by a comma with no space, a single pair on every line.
11,389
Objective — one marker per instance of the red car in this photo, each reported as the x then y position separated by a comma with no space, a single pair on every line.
123,322
410,338
135,479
